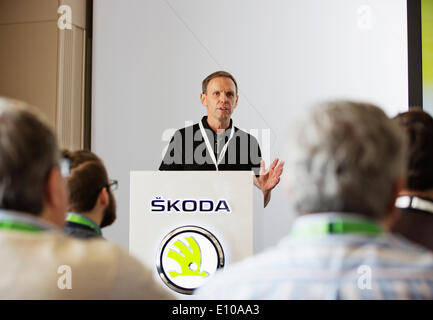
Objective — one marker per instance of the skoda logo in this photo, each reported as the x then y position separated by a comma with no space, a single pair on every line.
188,257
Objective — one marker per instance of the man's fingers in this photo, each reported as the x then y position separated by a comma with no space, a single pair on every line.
279,169
274,164
273,169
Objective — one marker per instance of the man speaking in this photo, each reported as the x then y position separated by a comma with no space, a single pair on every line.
216,144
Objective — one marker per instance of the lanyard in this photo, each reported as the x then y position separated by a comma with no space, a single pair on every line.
18,225
337,226
209,148
79,219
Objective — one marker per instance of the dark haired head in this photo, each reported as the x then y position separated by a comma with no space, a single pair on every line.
87,178
419,128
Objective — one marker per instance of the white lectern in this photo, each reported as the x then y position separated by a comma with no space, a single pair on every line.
186,225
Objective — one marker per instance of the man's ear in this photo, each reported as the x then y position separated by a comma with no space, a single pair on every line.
403,188
103,198
56,198
203,99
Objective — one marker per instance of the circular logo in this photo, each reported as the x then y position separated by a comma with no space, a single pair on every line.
188,257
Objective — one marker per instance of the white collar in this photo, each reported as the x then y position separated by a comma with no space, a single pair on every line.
414,202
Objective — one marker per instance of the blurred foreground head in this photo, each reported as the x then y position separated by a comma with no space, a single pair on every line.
345,157
30,177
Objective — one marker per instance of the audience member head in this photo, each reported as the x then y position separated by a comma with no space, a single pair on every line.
418,126
89,187
30,175
346,157
416,221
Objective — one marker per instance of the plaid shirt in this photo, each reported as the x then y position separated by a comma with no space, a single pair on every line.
313,263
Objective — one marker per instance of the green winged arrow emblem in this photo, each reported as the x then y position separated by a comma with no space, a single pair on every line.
189,259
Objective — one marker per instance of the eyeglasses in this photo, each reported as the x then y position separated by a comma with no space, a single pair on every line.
113,184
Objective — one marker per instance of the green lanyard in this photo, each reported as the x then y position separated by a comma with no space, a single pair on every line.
77,218
20,226
337,226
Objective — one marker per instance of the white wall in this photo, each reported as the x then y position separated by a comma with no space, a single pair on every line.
149,59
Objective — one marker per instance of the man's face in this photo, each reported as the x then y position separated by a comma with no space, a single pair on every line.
220,98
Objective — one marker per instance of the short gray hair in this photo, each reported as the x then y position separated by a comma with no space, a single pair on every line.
28,151
345,157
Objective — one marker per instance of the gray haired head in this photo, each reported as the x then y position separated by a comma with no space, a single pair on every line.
345,157
28,150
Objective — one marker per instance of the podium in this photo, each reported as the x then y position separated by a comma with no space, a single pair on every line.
186,225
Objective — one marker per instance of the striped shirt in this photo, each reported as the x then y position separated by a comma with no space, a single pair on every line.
329,265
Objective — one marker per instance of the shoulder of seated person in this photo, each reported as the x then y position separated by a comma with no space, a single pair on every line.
90,251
